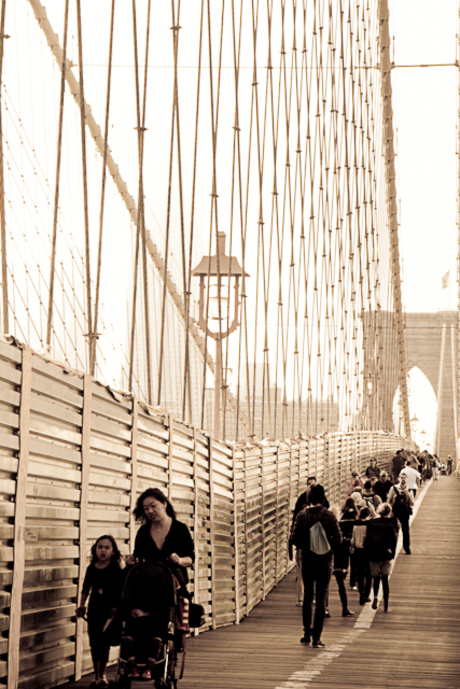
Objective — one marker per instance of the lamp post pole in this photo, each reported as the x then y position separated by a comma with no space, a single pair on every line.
217,267
217,390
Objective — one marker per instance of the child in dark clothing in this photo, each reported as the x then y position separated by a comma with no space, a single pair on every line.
103,579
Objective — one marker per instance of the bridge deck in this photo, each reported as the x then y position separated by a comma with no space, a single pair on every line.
415,646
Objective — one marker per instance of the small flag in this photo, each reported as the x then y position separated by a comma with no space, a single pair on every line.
445,280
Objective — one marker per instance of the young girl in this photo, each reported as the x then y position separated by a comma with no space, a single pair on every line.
104,579
361,560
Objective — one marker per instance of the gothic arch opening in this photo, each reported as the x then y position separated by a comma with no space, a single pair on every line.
423,408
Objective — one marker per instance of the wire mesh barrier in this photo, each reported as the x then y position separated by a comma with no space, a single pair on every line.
133,152
75,456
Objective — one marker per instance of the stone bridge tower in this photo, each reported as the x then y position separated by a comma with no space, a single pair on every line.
429,338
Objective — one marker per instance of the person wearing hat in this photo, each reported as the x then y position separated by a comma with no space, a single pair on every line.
383,486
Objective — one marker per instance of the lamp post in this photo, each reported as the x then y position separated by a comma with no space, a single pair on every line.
423,436
414,425
219,270
370,403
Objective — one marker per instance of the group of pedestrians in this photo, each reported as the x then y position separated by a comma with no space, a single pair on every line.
357,538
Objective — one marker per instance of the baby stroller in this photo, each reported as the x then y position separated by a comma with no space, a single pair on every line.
148,610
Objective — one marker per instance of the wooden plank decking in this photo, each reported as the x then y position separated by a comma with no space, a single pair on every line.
416,646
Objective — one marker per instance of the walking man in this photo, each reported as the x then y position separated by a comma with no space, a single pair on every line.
316,566
401,502
413,478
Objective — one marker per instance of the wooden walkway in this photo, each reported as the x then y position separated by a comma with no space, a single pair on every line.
416,646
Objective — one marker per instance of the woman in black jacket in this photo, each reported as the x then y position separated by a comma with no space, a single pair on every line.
380,546
162,537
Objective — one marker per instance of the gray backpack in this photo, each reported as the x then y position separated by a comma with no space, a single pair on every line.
318,539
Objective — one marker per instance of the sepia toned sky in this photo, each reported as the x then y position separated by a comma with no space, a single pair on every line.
425,104
425,116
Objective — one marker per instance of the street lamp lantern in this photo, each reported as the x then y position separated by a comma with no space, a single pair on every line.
218,272
414,423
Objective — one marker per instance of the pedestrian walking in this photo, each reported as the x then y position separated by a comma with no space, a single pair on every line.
361,560
301,502
316,533
401,502
380,548
103,584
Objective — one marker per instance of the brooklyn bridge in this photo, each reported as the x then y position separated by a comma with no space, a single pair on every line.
202,292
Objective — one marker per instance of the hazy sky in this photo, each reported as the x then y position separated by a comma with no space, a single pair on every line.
426,116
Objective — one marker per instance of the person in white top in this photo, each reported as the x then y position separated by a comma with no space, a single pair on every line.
413,478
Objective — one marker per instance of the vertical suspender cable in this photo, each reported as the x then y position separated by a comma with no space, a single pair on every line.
168,228
104,176
89,318
58,173
141,204
188,294
5,315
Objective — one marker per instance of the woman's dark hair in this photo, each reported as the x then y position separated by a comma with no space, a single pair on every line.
116,555
368,485
349,508
364,513
157,494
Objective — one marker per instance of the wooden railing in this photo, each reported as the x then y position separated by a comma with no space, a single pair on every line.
74,457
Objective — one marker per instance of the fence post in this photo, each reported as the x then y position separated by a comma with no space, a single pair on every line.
277,516
134,438
212,535
170,454
19,546
196,591
264,553
236,542
85,467
246,545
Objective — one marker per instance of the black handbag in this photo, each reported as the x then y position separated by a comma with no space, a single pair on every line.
197,617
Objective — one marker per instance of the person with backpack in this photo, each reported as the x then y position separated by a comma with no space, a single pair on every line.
317,534
401,502
302,501
371,499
